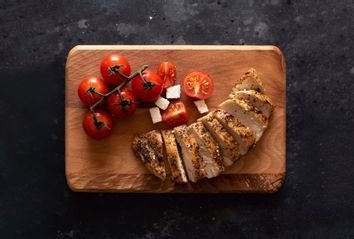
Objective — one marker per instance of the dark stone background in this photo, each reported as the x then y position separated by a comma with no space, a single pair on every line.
316,37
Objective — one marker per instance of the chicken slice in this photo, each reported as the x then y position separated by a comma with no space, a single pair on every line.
248,115
174,160
209,149
248,81
256,99
229,147
148,147
191,157
244,137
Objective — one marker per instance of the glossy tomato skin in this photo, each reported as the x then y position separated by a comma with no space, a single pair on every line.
99,130
168,73
149,90
176,114
198,85
86,87
122,109
110,65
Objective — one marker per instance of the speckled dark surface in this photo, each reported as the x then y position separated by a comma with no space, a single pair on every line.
316,37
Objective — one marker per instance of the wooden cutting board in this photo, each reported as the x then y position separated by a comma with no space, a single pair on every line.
110,166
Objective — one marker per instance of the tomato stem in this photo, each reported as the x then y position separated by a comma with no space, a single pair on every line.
120,86
96,92
115,70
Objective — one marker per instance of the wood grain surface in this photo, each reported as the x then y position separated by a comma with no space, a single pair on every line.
110,166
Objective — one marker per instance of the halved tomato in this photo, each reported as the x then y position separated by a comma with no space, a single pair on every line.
175,114
198,85
168,73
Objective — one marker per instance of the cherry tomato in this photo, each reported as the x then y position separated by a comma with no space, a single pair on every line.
122,106
168,73
87,88
175,114
97,124
110,66
198,85
149,88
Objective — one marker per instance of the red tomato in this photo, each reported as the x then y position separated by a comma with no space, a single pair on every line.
122,108
168,73
198,85
149,88
97,124
175,114
87,87
110,66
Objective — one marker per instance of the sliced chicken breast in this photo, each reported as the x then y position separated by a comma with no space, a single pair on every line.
256,99
244,137
148,147
248,81
209,149
248,115
173,158
193,161
229,147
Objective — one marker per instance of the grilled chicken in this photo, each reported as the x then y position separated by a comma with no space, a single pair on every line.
254,98
216,140
148,147
248,115
191,156
244,137
248,81
229,147
172,155
209,150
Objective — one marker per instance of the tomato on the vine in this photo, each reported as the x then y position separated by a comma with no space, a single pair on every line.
198,85
149,88
88,89
176,114
122,106
168,73
97,124
111,66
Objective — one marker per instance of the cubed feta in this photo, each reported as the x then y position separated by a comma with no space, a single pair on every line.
173,92
162,103
155,115
201,106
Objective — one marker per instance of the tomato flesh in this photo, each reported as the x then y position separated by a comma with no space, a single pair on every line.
97,129
122,108
110,66
149,88
198,85
176,114
168,73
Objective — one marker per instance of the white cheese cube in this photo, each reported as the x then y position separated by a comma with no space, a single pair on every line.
201,106
155,115
173,92
162,103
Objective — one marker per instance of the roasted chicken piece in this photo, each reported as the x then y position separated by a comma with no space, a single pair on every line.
192,159
173,158
256,99
248,115
248,81
229,147
148,147
208,149
244,137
